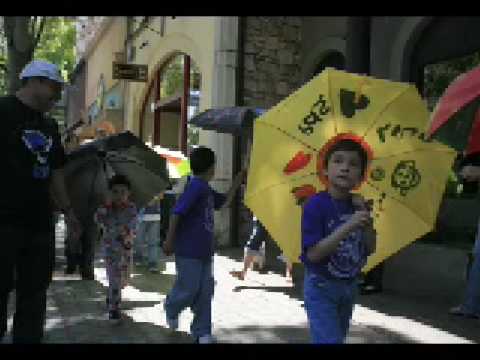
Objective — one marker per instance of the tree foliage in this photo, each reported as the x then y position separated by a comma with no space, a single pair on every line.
29,37
438,76
57,44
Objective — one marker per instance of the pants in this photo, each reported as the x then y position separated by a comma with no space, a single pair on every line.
329,305
148,241
26,263
193,288
88,240
471,301
118,261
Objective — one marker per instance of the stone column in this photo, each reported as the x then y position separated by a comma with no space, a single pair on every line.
223,94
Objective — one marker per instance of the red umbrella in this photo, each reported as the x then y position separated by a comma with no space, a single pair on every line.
454,120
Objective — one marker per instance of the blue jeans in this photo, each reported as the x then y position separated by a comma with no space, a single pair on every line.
147,241
193,288
471,302
329,305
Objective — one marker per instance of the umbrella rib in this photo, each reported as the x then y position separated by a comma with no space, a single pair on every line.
291,136
397,200
333,117
382,111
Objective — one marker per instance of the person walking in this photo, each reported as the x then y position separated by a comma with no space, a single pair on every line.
32,172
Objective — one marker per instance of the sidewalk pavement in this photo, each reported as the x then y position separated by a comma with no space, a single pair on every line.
264,308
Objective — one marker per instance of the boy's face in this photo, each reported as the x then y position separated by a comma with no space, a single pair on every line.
344,170
120,193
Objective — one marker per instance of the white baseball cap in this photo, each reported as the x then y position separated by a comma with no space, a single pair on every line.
42,69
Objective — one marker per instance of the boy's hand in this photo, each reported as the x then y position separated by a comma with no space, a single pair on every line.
359,219
168,247
470,173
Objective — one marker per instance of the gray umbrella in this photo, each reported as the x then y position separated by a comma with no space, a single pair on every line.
89,167
234,120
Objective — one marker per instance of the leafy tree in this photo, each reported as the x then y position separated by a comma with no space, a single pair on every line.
438,76
23,35
28,37
57,44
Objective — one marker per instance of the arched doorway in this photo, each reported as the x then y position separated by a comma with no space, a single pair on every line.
172,98
334,59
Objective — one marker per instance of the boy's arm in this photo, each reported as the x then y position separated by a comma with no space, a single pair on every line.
172,229
329,244
233,189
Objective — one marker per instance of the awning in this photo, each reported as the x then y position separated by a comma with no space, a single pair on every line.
234,120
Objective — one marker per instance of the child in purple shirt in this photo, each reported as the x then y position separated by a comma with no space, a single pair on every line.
190,237
337,237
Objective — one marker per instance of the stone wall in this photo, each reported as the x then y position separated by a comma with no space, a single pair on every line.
272,71
271,59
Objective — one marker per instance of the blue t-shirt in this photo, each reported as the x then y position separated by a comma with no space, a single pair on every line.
194,235
321,216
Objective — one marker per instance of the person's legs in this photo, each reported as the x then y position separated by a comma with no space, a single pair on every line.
153,238
10,238
345,309
35,264
471,303
202,306
321,304
114,282
139,244
89,238
186,287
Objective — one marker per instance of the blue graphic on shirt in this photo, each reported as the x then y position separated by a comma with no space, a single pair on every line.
40,146
350,256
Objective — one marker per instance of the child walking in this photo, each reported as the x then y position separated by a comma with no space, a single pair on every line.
118,219
147,241
337,238
190,237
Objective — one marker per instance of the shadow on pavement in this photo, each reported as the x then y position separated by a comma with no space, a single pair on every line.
428,311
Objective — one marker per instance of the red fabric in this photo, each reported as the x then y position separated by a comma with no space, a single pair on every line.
461,92
474,139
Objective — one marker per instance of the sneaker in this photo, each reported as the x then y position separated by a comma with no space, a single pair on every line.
205,339
114,316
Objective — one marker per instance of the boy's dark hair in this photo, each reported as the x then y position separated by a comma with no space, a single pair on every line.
201,159
119,180
348,145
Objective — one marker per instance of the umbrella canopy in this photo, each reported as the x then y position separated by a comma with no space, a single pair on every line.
406,177
90,166
456,114
230,120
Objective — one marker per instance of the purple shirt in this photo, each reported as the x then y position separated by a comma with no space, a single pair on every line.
321,216
194,235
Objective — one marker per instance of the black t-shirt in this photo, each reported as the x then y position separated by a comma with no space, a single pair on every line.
32,149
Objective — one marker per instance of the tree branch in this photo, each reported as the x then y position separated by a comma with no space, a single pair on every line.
33,25
39,33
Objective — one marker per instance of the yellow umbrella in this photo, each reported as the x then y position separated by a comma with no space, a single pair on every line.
406,177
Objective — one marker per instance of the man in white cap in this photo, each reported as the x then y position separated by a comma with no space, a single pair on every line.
32,166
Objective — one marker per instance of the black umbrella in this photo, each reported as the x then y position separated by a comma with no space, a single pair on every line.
89,167
234,120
